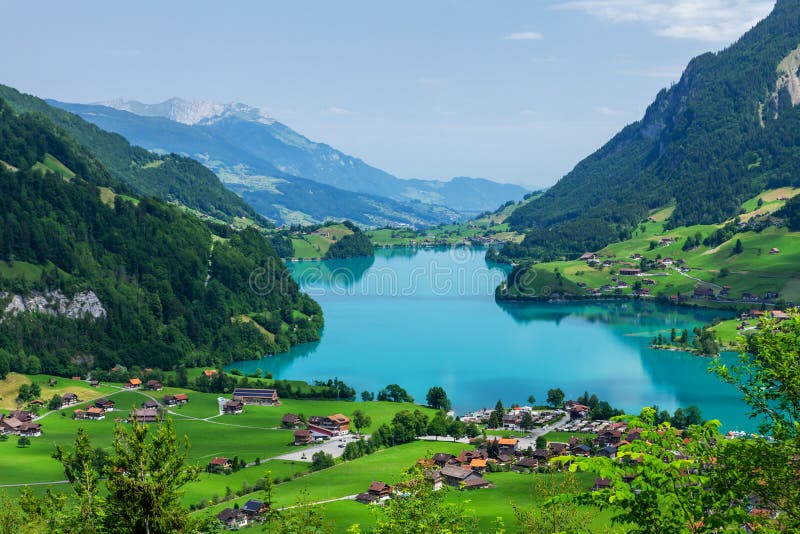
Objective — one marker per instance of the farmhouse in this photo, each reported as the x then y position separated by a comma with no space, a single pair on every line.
154,385
175,400
291,420
145,415
263,397
457,476
94,383
601,484
92,412
105,404
526,463
233,407
703,292
254,508
133,383
219,464
507,445
150,403
303,437
233,519
629,272
68,399
337,423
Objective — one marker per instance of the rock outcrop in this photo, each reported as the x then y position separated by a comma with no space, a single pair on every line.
85,304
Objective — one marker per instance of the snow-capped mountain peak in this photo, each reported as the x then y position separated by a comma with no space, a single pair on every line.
191,113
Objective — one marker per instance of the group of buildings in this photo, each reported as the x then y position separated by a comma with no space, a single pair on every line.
244,396
317,427
20,423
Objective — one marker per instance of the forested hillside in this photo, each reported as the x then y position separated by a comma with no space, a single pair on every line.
172,291
728,129
170,177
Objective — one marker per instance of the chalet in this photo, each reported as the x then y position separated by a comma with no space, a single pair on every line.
381,490
543,455
607,263
209,373
636,256
750,297
529,464
291,420
441,459
233,407
629,272
608,451
79,414
169,400
105,404
367,498
254,508
507,445
478,465
22,416
155,385
648,281
456,476
771,295
133,383
779,315
666,241
94,383
233,519
36,403
702,292
578,411
150,403
181,398
511,420
434,476
581,449
774,251
588,256
609,437
303,437
219,464
68,399
145,415
559,449
95,413
337,423
30,430
601,484
262,397
668,261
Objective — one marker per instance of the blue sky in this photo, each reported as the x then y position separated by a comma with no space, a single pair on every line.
515,91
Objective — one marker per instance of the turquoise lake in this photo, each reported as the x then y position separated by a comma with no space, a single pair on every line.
429,317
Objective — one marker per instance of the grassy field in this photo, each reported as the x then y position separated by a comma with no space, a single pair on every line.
51,164
563,437
353,477
754,270
316,244
256,433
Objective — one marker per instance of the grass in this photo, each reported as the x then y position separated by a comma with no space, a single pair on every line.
107,196
51,164
9,387
20,270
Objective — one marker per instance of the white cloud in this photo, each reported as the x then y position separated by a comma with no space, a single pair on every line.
338,111
523,36
609,112
704,20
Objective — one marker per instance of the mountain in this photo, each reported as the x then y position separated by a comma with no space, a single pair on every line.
92,278
243,145
169,177
727,130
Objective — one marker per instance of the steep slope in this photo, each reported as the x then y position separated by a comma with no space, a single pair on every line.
726,130
169,177
92,279
226,137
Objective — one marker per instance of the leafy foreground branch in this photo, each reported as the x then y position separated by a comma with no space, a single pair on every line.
144,477
695,480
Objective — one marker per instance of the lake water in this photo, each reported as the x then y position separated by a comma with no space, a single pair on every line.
429,317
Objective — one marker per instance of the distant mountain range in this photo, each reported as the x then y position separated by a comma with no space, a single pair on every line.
286,176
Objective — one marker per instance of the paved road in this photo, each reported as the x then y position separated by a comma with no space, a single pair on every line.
332,447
